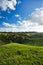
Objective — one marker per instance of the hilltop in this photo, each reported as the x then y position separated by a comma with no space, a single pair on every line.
19,54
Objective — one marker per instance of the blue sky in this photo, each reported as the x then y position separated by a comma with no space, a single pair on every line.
21,15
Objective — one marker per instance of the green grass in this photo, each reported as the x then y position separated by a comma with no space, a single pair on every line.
19,54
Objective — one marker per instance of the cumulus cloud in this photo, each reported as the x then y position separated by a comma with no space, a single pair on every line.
35,23
37,16
8,24
23,26
5,4
24,23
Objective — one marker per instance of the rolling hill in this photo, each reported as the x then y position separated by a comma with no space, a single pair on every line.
20,54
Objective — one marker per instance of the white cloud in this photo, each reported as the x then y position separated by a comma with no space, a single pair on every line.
8,25
24,23
17,15
23,26
8,30
5,4
35,23
38,28
37,16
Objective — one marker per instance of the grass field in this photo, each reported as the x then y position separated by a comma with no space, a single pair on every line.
19,54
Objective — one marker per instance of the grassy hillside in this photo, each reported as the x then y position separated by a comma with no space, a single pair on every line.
19,54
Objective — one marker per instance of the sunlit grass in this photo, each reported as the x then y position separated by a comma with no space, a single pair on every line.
19,54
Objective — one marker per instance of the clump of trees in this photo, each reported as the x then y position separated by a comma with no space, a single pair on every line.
22,38
14,37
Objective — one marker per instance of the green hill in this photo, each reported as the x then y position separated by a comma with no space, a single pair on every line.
19,54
